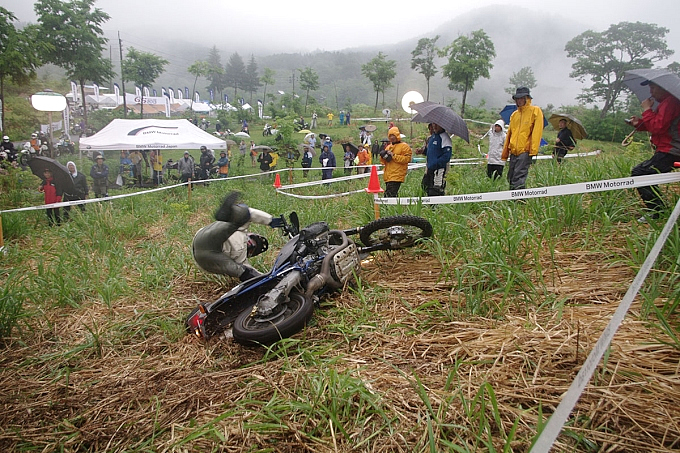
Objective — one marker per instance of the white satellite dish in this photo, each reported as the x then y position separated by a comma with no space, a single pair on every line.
386,112
411,97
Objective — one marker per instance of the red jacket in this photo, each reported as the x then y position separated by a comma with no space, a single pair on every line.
660,122
50,192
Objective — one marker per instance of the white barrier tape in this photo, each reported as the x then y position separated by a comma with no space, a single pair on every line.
554,425
319,197
550,191
197,182
411,166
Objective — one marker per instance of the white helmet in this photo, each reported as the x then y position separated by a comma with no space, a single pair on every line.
5,138
34,135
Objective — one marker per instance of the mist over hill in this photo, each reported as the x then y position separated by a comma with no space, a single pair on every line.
521,38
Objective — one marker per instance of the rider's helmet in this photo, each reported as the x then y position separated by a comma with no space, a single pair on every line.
34,135
5,138
203,148
256,244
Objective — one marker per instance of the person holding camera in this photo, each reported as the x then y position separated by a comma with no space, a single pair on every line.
395,157
663,123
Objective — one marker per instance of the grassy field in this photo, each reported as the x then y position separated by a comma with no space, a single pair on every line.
465,343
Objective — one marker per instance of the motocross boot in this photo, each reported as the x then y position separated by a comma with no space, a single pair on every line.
223,213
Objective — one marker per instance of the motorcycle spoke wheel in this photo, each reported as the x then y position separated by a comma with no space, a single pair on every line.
396,232
290,318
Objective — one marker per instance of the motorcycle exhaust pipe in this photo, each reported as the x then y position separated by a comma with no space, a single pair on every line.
324,277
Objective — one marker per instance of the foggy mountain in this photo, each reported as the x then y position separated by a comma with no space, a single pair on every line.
521,38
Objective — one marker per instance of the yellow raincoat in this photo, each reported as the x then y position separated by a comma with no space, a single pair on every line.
525,131
395,169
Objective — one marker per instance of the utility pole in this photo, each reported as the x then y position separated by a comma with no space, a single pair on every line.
122,79
111,63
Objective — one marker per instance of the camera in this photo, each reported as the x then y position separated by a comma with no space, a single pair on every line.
628,121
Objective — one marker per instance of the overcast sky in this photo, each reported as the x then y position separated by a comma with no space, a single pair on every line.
302,26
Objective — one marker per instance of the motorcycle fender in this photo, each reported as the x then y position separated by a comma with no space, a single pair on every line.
222,313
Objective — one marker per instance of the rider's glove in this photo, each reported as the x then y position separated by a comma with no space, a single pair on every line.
276,222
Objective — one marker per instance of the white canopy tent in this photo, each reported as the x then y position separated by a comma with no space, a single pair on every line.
122,134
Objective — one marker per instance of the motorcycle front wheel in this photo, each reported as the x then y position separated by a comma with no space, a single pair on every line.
289,319
396,232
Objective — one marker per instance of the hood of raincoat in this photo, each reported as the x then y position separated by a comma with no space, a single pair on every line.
394,130
73,175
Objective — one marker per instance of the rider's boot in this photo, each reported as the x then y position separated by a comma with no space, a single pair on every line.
223,213
230,211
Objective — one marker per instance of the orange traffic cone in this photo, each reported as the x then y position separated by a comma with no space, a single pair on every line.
277,181
374,182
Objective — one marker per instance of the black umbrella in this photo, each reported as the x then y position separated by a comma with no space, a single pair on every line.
450,121
667,80
352,148
61,177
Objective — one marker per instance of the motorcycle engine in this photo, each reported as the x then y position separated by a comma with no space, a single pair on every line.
345,262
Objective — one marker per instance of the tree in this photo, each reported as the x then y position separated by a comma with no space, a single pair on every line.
423,59
200,69
251,80
380,72
19,57
605,57
268,78
309,80
73,30
235,72
142,68
215,73
674,68
469,59
522,78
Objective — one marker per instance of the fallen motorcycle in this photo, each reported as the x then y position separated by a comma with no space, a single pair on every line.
315,261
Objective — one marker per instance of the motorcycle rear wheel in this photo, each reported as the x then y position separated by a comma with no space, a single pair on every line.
396,232
292,318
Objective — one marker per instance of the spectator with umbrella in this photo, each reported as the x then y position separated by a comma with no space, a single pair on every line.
52,195
662,122
438,155
443,122
569,130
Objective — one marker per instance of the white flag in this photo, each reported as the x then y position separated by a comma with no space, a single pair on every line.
146,92
74,92
96,92
116,91
167,107
138,92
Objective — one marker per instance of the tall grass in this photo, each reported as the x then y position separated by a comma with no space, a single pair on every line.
127,265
